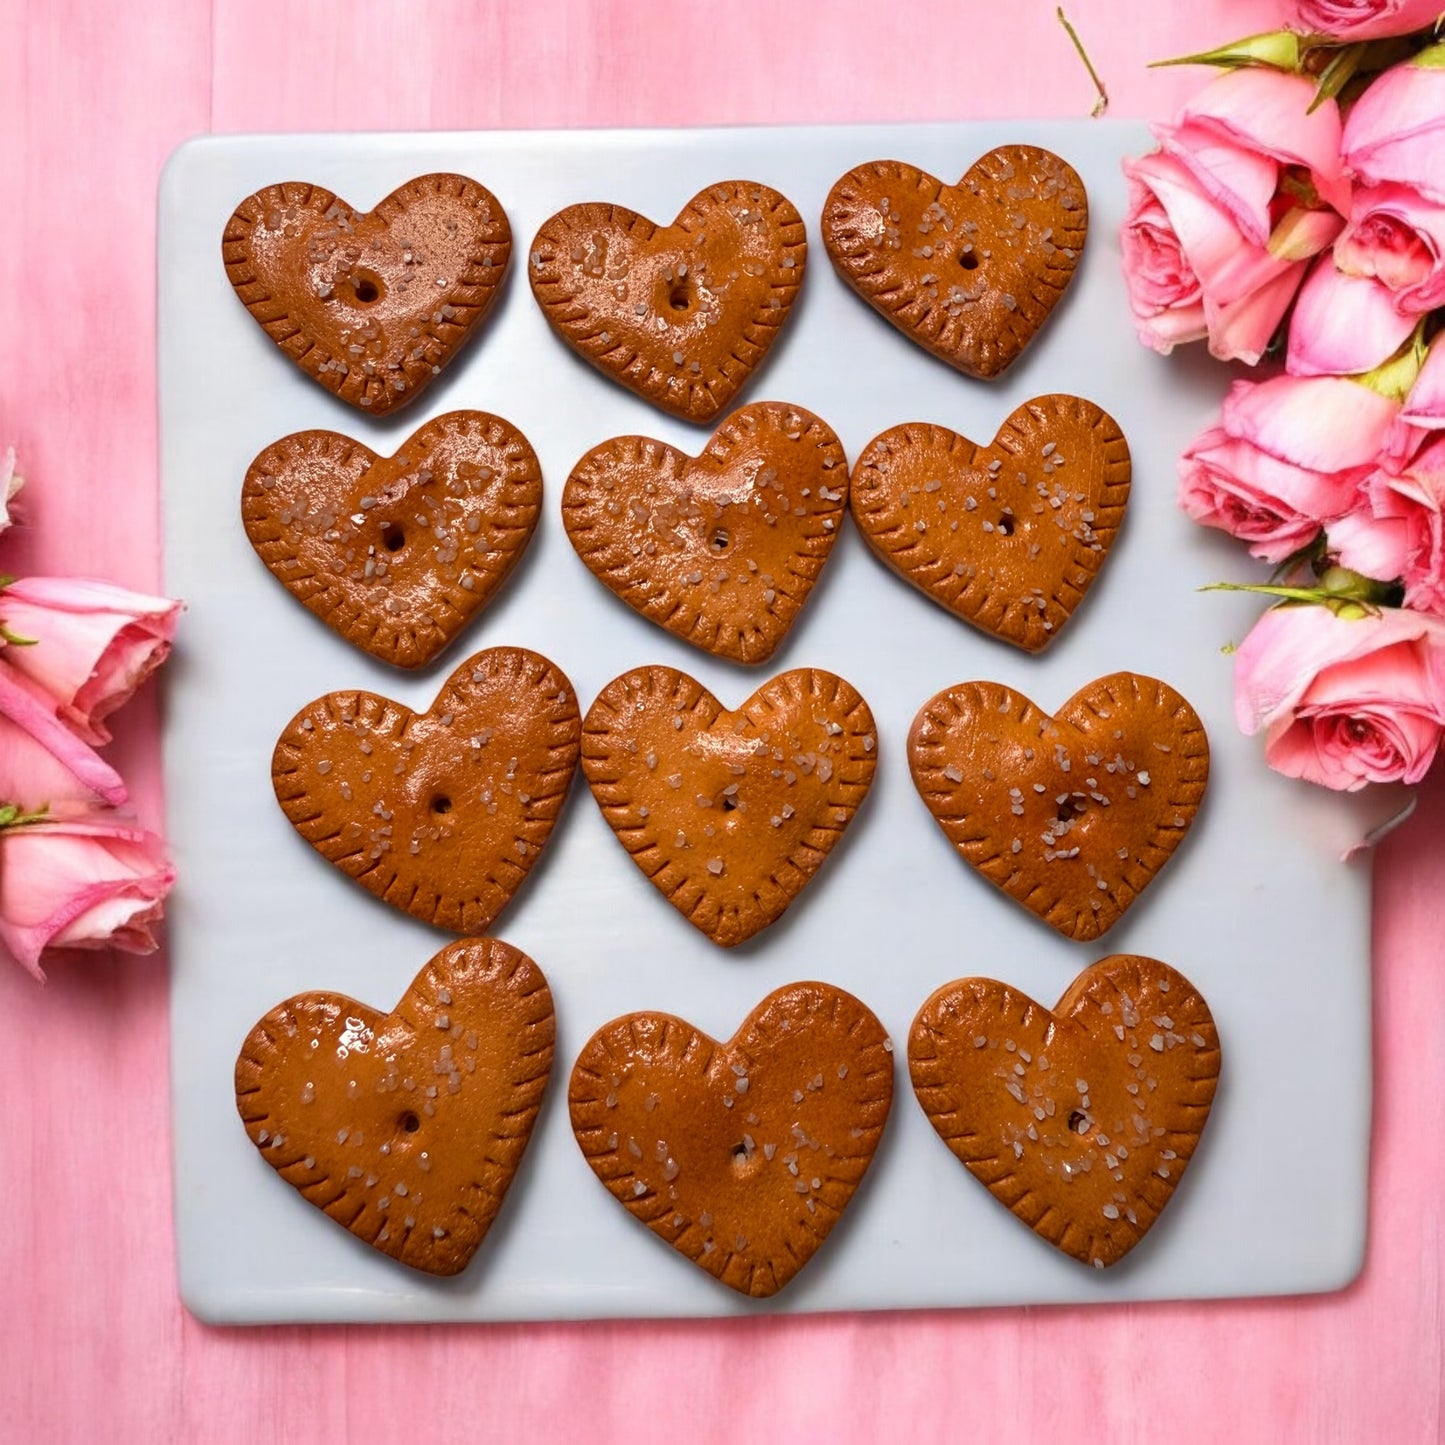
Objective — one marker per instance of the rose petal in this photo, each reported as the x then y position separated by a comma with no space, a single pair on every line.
1328,424
1343,325
42,760
1267,111
1394,130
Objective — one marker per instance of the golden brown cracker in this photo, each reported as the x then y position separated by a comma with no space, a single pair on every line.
398,553
1071,815
1008,536
372,304
681,314
729,814
722,549
970,272
741,1155
1081,1119
442,813
406,1127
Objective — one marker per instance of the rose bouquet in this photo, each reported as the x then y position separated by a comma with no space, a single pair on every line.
1293,218
74,872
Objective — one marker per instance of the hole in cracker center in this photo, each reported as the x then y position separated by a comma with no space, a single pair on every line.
408,1123
744,1159
1078,1122
441,804
720,541
969,260
392,537
366,287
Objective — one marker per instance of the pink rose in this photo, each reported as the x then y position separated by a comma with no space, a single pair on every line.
10,482
87,883
1344,701
1387,269
95,644
43,763
1400,531
1366,19
1223,219
1287,457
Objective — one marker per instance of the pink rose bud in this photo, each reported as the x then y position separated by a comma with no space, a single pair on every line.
90,882
10,483
1287,457
1365,19
94,644
1344,700
1223,219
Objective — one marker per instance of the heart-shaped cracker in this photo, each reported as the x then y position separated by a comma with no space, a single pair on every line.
742,1155
1010,536
728,814
681,314
1082,1119
406,1127
1071,815
723,548
371,304
396,553
970,272
441,813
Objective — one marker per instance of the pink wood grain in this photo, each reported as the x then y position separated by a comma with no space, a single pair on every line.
93,1342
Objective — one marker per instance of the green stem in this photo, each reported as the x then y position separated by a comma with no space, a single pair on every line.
1345,593
11,815
1102,103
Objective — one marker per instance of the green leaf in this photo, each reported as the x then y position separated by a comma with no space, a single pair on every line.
1102,103
1338,73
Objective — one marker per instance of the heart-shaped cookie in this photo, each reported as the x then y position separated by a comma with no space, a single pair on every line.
407,1127
441,813
728,814
970,272
741,1155
723,548
1082,1119
371,304
396,553
1071,815
681,314
1010,536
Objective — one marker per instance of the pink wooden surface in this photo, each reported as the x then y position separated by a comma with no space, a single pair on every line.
93,1341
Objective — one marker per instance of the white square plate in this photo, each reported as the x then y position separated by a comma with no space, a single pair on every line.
1256,908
